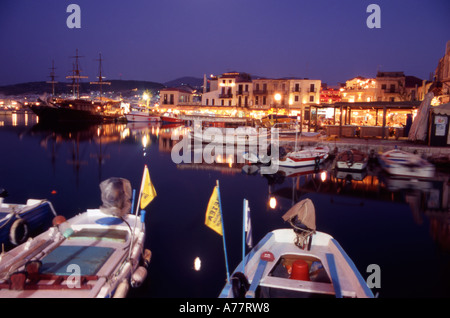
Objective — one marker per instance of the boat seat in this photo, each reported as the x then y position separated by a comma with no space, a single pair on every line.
302,286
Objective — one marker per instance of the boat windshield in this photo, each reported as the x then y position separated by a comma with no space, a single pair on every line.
100,235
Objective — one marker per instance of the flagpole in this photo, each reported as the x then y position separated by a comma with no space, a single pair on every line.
223,232
140,191
244,225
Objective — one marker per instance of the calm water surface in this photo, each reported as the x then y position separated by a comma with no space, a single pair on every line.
401,225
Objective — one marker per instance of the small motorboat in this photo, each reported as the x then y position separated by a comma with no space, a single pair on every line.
242,135
170,118
351,160
309,156
297,263
401,163
98,253
20,221
137,116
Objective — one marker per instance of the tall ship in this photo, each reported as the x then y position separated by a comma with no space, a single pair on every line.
76,109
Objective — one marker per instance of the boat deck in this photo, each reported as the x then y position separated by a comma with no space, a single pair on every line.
340,278
74,264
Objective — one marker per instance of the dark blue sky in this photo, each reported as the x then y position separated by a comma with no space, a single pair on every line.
166,39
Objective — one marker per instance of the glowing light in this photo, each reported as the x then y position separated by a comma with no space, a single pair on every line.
277,97
273,202
144,141
323,176
197,264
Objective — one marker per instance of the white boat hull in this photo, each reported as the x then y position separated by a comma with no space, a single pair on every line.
404,164
142,117
344,165
305,157
239,136
340,277
88,256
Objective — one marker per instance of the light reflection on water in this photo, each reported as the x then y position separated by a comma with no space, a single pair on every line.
401,225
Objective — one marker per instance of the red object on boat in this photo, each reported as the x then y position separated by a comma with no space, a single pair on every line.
168,118
300,270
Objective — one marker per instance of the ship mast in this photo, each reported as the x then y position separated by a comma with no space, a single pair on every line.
100,78
52,76
76,75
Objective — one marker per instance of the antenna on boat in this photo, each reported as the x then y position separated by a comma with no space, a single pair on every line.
52,76
76,75
100,78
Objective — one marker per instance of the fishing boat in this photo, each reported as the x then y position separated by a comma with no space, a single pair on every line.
299,262
401,163
171,119
96,254
242,135
138,116
305,157
19,221
351,160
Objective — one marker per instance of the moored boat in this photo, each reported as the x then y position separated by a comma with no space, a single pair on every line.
298,262
401,163
98,253
242,135
171,119
76,110
19,221
306,157
137,116
352,159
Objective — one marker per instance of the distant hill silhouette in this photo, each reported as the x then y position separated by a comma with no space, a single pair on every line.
118,86
186,80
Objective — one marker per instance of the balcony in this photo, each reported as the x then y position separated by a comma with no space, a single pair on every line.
242,93
313,90
296,90
225,95
260,92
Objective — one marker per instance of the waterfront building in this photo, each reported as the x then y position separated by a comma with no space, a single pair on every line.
179,96
329,95
229,89
359,89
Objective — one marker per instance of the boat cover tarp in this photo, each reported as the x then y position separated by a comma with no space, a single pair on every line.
419,126
305,213
116,196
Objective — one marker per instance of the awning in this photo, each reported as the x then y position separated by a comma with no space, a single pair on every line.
443,109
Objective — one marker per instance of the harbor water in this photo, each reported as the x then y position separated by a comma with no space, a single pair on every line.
400,225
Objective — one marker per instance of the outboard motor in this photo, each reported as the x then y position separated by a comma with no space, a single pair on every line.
116,196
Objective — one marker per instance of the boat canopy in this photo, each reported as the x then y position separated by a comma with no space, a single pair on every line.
116,196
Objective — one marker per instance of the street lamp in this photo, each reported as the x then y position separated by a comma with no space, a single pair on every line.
146,98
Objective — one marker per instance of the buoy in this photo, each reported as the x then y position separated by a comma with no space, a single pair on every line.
138,276
122,289
147,257
300,270
59,219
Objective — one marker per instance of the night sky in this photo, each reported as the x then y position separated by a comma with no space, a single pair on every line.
166,39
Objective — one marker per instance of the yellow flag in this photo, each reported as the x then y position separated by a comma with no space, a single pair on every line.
148,192
213,217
